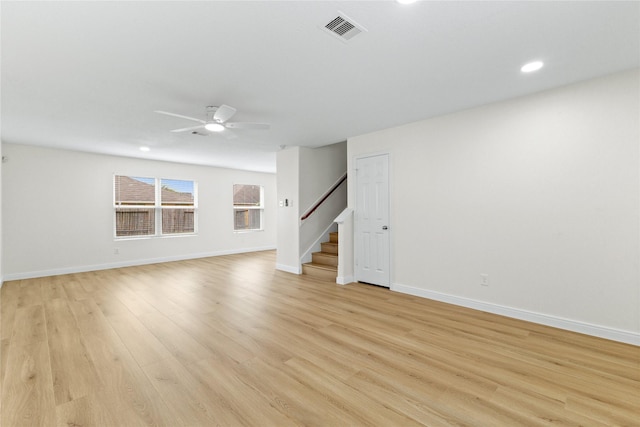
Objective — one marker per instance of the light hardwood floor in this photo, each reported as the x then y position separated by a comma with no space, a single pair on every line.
230,341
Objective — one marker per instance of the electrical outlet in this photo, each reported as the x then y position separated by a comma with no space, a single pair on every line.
484,279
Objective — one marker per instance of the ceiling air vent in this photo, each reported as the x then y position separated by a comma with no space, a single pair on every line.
343,27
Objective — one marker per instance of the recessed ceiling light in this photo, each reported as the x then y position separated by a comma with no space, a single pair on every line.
406,1
532,66
214,127
143,148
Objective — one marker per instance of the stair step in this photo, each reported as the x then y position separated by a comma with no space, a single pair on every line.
333,237
320,271
329,248
324,258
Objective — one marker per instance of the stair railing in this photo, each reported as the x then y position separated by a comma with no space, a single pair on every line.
324,197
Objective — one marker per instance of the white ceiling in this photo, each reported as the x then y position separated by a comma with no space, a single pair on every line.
88,75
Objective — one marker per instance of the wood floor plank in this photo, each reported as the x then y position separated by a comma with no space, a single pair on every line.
8,307
29,293
602,412
230,341
292,397
141,343
220,346
54,288
109,304
241,333
519,368
161,302
89,317
27,392
125,383
72,372
175,288
538,409
228,385
615,365
29,326
410,395
176,340
193,402
302,337
4,352
73,288
361,407
133,301
91,410
480,410
387,353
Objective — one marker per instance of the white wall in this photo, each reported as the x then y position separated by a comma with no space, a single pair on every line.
319,169
542,193
58,212
287,165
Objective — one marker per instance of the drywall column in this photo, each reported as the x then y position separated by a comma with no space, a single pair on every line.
345,247
1,161
287,182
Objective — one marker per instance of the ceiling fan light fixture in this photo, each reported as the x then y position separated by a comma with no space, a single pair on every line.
532,66
214,127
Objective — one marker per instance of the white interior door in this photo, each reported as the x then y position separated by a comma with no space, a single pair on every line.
372,220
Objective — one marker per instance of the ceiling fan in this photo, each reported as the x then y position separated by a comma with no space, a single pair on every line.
216,120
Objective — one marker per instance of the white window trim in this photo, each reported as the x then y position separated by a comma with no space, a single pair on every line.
157,208
240,207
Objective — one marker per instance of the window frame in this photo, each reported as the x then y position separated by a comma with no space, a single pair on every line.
157,208
259,208
163,207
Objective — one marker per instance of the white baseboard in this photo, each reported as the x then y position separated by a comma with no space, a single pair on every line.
131,263
289,268
344,280
530,316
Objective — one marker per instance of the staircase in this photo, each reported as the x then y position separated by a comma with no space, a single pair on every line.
324,264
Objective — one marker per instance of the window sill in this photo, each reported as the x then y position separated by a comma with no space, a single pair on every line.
247,231
163,236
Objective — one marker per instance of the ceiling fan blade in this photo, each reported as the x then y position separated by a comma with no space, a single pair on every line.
247,125
223,113
187,129
180,116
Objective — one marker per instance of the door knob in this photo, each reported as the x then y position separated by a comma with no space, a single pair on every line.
384,227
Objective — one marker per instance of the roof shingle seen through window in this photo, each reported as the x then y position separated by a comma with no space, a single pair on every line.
246,195
132,191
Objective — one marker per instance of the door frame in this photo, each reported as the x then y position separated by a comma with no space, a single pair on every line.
354,199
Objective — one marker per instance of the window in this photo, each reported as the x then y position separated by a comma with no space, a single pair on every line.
141,204
135,200
178,206
248,205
